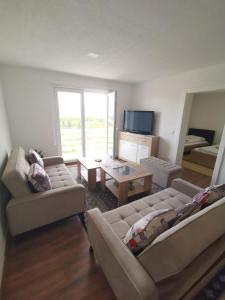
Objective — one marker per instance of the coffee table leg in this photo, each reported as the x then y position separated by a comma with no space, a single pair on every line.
92,179
103,175
123,193
78,170
148,183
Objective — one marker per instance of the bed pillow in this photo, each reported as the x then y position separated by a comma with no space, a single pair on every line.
144,231
194,138
210,195
34,158
38,179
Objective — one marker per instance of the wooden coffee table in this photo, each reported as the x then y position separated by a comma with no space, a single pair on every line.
123,177
90,173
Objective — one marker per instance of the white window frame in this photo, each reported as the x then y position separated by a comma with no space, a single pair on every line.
82,92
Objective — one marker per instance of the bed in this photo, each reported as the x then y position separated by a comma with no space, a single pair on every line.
198,138
205,156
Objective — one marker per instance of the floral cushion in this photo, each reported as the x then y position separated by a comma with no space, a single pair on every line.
144,231
209,195
186,211
38,179
34,158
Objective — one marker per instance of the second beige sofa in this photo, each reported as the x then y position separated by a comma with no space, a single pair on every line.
173,264
27,210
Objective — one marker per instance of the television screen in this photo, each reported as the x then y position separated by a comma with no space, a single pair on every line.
138,121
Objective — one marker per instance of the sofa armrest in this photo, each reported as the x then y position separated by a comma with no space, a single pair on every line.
125,274
38,209
185,187
52,160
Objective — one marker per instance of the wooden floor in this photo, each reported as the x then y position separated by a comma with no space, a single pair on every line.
196,178
54,262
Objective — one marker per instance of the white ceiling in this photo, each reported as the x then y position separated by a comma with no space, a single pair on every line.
137,39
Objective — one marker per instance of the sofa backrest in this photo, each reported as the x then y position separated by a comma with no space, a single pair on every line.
15,174
177,247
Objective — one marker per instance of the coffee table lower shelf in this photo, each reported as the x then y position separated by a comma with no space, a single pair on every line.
122,192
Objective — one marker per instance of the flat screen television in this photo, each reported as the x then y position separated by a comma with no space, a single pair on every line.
138,121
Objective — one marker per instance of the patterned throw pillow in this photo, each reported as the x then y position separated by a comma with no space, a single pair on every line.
34,158
186,211
144,231
39,179
209,195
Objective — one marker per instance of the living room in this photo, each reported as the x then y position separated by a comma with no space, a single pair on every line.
151,58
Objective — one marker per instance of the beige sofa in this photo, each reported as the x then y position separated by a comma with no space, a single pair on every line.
27,210
176,260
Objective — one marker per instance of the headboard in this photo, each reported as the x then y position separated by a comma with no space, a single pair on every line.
206,133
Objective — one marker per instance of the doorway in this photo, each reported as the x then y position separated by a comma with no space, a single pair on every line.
86,123
201,133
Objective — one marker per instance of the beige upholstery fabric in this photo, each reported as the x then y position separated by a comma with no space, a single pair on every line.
163,171
174,262
127,277
180,245
59,176
52,160
39,209
15,174
176,286
185,187
122,218
29,210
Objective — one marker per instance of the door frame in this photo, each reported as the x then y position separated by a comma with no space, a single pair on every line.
57,123
57,114
186,112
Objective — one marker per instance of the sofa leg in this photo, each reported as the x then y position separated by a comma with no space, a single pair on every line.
82,219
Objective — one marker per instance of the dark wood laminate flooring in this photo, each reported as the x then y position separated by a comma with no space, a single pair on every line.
53,262
196,178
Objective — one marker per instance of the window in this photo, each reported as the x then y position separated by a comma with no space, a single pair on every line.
87,123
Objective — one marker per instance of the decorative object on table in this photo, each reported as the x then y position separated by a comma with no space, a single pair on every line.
98,160
116,183
131,186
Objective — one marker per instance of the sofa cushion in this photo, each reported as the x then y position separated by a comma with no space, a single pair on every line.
122,218
15,174
178,246
39,179
186,211
144,231
35,158
210,195
59,176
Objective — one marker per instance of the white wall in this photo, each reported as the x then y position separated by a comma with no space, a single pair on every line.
208,112
31,103
5,147
167,97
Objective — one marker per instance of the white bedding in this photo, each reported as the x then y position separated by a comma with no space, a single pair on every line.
193,139
212,150
196,143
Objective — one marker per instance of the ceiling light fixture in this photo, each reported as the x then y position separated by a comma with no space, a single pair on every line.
93,55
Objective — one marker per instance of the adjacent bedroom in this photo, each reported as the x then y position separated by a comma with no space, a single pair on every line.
205,129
